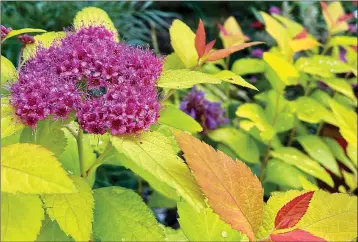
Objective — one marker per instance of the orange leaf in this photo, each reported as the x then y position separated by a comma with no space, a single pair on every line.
222,53
209,46
290,214
296,235
232,190
200,39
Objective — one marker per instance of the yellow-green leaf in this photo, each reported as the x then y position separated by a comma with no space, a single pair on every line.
154,153
343,41
22,31
51,231
334,12
256,114
8,71
21,217
319,151
45,40
311,111
10,123
352,154
73,212
347,122
301,161
307,185
121,215
173,62
292,27
342,86
185,78
246,66
183,43
231,77
285,70
92,16
205,225
32,169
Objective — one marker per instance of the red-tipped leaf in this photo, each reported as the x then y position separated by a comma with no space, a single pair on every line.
209,47
290,214
297,235
200,39
301,35
345,17
222,29
222,53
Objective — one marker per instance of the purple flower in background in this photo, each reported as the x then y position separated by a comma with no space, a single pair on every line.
209,114
253,79
275,10
352,28
110,86
26,39
4,31
258,53
342,54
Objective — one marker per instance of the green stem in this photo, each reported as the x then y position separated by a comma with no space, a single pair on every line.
100,158
19,58
79,139
154,38
292,135
227,63
319,128
326,47
169,93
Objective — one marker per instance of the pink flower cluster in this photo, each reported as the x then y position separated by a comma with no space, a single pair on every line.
26,39
4,31
110,86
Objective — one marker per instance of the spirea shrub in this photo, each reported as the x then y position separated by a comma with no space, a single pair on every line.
82,99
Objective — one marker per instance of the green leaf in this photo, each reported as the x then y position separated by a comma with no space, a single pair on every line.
32,169
352,153
48,134
21,31
307,185
73,212
292,27
121,215
10,123
174,234
287,73
283,174
44,40
182,40
179,79
243,145
338,153
176,118
246,66
231,77
173,62
156,200
154,153
8,71
205,225
21,217
322,97
319,151
347,122
50,231
257,115
347,102
274,79
294,157
342,86
92,16
343,41
324,66
311,111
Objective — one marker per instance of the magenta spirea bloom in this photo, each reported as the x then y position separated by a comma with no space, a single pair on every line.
275,10
4,31
209,114
26,39
110,86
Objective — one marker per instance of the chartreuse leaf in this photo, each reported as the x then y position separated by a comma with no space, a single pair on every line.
307,185
21,217
343,41
44,40
318,150
205,225
246,66
352,153
350,179
293,27
92,16
50,231
155,153
342,86
8,71
285,70
232,190
183,43
176,118
121,215
257,115
173,234
21,31
73,212
339,153
10,123
48,134
244,146
231,77
32,169
156,200
331,16
173,62
311,111
320,65
332,217
347,122
322,97
301,161
279,33
283,174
